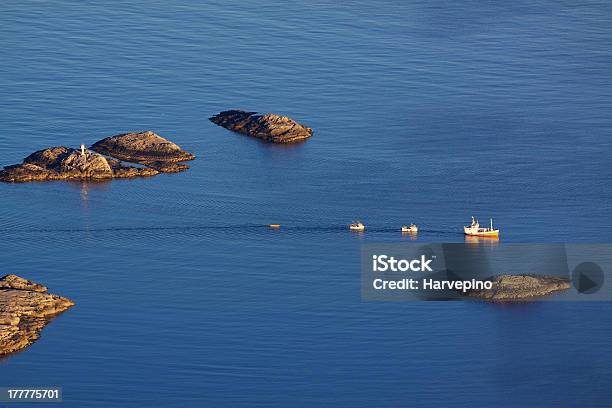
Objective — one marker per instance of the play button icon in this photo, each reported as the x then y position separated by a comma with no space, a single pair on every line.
587,278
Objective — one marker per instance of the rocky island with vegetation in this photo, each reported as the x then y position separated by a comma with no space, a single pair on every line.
520,288
25,309
153,152
269,127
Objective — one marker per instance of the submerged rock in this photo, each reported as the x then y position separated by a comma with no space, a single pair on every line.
516,288
142,147
25,309
269,127
167,167
64,163
122,171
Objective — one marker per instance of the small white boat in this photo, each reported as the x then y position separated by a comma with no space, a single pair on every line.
274,226
476,231
412,229
356,226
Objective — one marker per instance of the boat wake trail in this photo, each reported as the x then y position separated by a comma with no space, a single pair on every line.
220,228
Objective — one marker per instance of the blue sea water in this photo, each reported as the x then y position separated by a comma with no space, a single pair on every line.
423,111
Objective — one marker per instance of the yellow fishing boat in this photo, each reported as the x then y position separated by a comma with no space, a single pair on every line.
476,231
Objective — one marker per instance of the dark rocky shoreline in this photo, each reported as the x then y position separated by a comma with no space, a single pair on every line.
25,309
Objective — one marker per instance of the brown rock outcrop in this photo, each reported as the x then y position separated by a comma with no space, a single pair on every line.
64,163
142,147
516,288
25,309
269,127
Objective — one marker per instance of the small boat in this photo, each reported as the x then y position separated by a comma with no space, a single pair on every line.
412,229
274,226
357,226
476,231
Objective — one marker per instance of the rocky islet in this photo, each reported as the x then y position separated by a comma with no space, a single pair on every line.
25,309
154,153
519,288
269,127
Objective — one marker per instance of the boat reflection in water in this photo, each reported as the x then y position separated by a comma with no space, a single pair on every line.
411,235
485,241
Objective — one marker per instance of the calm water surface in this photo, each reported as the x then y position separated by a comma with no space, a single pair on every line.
424,111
